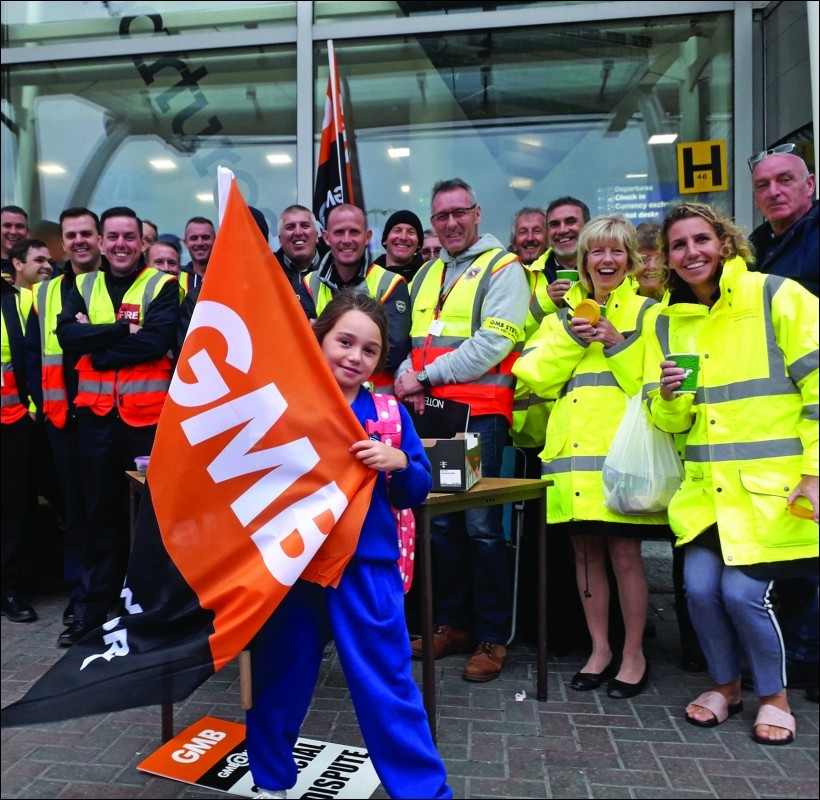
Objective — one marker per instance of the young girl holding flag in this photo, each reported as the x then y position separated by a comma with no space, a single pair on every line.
364,615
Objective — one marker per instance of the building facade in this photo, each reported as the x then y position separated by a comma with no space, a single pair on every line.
136,103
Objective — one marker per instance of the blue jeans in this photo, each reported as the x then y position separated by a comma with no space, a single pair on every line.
733,615
472,570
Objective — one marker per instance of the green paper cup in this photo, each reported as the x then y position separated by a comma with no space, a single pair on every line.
691,363
567,275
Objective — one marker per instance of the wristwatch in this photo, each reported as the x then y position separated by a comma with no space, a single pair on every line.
422,378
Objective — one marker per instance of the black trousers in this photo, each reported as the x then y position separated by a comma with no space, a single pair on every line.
108,447
18,501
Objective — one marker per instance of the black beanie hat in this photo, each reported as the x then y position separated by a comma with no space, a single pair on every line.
403,218
260,221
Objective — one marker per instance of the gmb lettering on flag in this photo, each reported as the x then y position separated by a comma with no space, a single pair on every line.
250,486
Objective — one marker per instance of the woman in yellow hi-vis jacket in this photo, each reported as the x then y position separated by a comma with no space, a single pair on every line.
751,431
569,360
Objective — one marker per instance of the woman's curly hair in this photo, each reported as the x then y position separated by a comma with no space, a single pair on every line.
733,240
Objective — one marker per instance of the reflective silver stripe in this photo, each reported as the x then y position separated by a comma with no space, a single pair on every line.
42,306
810,412
87,287
586,379
58,395
535,309
575,464
520,405
418,279
95,387
384,284
9,400
744,451
148,292
804,366
136,387
483,287
662,332
7,366
52,360
495,379
536,400
745,390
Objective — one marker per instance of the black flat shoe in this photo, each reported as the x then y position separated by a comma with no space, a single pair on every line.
15,609
73,633
621,690
587,681
68,614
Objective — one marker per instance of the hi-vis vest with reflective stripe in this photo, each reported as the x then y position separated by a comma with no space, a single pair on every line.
461,314
380,284
48,303
137,391
11,406
752,426
531,412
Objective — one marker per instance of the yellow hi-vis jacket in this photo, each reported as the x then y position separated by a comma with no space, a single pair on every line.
752,426
13,407
530,411
590,389
48,303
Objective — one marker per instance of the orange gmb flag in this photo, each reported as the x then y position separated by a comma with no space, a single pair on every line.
251,476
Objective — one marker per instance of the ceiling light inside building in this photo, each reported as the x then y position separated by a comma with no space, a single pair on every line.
521,183
636,175
205,197
662,138
405,187
52,169
279,158
398,152
162,163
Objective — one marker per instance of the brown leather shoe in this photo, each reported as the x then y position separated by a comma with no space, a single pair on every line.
446,640
486,663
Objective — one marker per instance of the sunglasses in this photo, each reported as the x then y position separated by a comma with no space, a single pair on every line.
758,157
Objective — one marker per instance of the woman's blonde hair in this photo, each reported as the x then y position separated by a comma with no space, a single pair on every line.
733,241
613,228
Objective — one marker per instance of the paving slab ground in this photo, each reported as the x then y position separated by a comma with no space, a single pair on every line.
575,745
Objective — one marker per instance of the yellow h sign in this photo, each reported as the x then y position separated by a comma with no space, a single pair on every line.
702,167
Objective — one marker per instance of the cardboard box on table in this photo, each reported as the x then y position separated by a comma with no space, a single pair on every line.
455,454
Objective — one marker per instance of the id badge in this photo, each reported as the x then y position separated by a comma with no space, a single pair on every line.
436,327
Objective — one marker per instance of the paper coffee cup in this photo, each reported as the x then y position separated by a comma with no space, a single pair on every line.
567,274
691,363
141,463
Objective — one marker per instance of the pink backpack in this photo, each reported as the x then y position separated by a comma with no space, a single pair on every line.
388,428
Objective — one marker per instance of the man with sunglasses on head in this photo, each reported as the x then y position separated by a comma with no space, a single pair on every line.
787,245
787,242
468,308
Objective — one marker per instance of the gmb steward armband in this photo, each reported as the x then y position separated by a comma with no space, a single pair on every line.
512,332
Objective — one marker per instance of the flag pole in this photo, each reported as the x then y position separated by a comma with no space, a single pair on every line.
341,160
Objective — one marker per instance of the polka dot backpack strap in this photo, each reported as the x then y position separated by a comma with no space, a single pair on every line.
388,428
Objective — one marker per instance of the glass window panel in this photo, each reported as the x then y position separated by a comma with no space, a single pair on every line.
55,23
325,11
133,132
528,115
